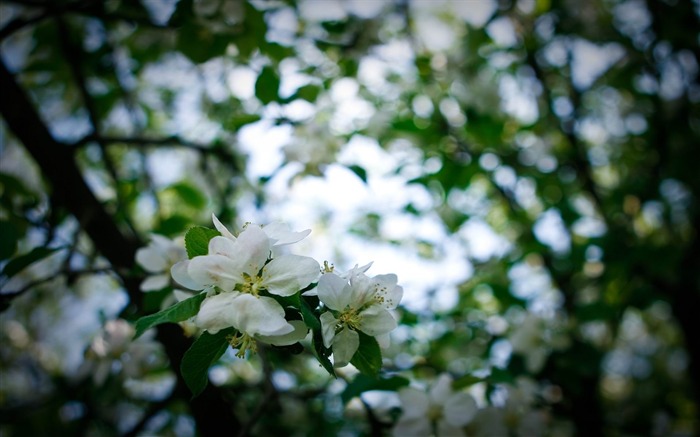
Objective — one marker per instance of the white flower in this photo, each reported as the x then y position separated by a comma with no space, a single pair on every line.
357,303
115,342
157,258
279,233
237,270
440,412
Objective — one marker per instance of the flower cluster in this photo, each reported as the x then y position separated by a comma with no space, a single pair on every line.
356,302
439,411
250,286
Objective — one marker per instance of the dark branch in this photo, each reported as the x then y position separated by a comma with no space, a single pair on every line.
211,413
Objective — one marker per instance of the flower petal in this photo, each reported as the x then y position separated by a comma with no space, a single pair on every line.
155,282
331,291
299,333
384,340
181,276
215,270
413,427
252,249
151,259
221,228
386,291
376,320
223,246
216,312
281,234
414,403
460,409
447,429
260,316
441,389
328,324
247,313
288,274
345,345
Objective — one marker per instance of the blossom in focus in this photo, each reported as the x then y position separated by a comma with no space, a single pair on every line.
357,303
240,277
441,411
157,259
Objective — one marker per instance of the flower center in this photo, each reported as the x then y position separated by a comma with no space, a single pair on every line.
350,317
327,268
243,342
435,413
251,284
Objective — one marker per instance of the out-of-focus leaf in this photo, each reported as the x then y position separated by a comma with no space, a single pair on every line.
360,172
308,92
203,353
173,225
9,237
267,85
179,312
200,43
17,264
363,383
190,194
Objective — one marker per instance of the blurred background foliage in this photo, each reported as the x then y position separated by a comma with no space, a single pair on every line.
528,168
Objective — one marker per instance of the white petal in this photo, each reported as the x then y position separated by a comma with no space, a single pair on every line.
252,249
247,313
216,312
180,275
151,259
345,345
384,340
328,324
299,333
355,270
413,427
460,409
222,246
155,282
181,295
441,389
447,429
288,274
215,270
376,320
386,290
332,291
281,234
414,403
221,228
260,316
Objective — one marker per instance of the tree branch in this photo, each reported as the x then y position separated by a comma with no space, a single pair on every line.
211,413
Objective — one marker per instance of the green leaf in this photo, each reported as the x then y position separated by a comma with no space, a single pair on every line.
189,194
363,383
16,265
322,352
177,313
267,85
368,358
203,353
466,381
173,225
9,237
197,240
308,92
360,172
